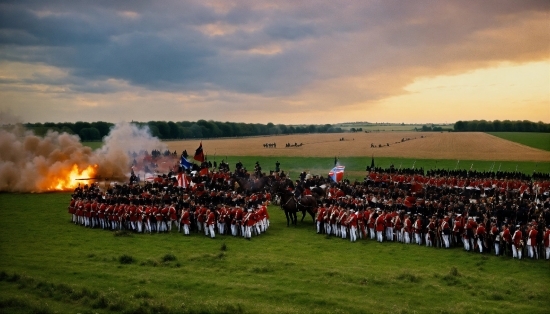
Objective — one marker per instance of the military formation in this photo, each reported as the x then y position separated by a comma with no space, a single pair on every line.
211,204
504,214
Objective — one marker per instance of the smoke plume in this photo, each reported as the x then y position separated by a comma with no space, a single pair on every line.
30,163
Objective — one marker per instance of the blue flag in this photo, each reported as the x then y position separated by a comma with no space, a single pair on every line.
184,163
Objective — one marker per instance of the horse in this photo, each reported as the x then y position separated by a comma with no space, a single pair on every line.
253,185
291,205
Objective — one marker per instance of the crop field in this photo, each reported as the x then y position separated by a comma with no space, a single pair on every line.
49,265
429,145
536,140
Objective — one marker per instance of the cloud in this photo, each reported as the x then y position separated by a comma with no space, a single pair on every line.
260,53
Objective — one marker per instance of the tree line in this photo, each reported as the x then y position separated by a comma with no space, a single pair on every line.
501,126
95,131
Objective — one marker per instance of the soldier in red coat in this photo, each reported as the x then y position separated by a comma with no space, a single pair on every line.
172,216
320,218
398,226
418,230
380,225
517,243
407,229
480,236
532,242
352,223
446,232
211,222
185,221
507,239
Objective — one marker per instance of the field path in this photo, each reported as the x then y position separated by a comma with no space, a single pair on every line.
432,145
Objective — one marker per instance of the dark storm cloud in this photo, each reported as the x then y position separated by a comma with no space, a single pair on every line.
276,48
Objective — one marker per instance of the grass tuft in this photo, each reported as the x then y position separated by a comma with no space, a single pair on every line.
410,277
223,247
169,257
126,259
142,294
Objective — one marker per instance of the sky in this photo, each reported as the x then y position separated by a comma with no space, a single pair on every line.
287,62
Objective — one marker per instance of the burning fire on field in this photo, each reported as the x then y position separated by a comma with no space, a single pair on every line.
69,179
59,161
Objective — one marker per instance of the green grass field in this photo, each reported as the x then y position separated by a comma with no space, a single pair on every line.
536,140
49,265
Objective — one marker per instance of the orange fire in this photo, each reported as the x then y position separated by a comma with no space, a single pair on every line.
70,179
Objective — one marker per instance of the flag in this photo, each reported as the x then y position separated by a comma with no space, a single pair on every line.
184,163
337,173
183,180
203,172
199,155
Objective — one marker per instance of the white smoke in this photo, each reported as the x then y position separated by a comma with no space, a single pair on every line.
28,163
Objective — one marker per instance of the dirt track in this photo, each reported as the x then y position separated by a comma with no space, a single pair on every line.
474,145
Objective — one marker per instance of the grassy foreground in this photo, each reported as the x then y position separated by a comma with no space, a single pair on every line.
49,265
536,140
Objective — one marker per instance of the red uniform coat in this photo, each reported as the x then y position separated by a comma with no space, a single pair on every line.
517,237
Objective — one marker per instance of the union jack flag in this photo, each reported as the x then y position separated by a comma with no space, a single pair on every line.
337,173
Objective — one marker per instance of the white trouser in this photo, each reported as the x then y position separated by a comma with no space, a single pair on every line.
206,230
318,227
466,244
247,232
211,229
418,238
480,245
379,236
446,240
372,234
428,240
497,248
515,252
186,229
353,233
547,249
406,237
343,232
389,233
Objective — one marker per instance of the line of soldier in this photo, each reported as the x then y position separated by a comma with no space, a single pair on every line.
357,221
158,210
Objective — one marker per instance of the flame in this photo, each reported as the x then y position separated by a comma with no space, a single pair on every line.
70,179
